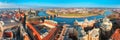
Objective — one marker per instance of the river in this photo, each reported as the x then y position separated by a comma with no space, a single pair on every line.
71,20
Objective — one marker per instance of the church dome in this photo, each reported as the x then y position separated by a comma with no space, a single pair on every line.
106,24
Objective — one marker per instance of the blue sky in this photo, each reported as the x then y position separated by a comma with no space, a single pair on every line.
59,3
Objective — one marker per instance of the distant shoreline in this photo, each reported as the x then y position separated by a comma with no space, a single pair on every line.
49,13
75,16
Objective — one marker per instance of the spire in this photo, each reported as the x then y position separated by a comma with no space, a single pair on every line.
86,20
19,10
30,9
76,20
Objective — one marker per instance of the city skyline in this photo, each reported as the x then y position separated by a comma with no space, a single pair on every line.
58,3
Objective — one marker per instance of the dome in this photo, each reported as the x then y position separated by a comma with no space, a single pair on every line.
106,25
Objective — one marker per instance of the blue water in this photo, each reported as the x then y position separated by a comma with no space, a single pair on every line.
42,13
71,20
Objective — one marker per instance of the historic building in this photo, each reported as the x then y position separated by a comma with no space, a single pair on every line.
91,35
106,24
85,23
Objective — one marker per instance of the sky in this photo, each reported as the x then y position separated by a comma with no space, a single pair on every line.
59,3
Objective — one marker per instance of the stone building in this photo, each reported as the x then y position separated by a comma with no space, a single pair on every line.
85,23
106,24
